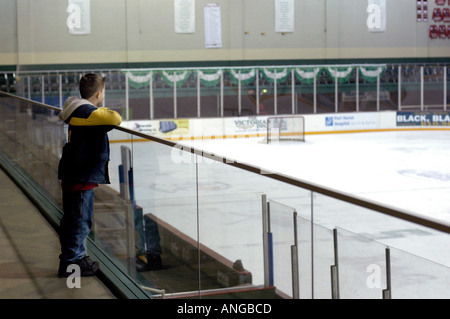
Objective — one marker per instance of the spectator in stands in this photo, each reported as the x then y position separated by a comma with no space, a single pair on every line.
83,165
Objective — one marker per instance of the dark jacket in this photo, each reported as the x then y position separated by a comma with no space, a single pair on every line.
85,156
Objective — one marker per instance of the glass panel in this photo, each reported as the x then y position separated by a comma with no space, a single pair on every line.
362,267
282,228
323,259
230,233
418,278
165,215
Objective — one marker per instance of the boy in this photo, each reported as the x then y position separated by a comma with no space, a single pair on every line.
83,165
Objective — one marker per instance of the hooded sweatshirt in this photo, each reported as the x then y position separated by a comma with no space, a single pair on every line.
85,156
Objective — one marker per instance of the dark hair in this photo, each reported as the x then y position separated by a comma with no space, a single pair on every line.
91,84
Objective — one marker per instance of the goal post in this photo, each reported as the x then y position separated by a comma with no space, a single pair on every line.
285,128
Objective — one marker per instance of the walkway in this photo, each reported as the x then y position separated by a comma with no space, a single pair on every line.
29,249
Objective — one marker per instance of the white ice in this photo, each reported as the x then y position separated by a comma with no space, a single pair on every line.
407,170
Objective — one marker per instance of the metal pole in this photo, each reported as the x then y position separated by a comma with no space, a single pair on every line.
152,106
293,91
60,90
335,268
445,88
315,94
421,88
387,293
399,87
294,262
43,89
221,95
29,87
198,94
270,275
257,92
265,230
378,92
175,107
275,93
357,89
127,103
239,93
336,107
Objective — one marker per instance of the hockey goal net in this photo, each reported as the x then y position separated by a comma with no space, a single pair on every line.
285,128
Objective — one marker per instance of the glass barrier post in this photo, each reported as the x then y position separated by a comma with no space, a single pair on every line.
336,92
267,244
421,88
335,268
294,259
445,88
399,87
357,89
387,293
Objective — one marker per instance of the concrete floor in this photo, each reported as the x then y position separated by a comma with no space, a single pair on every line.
29,249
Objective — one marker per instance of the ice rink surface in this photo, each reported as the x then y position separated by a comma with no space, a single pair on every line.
409,170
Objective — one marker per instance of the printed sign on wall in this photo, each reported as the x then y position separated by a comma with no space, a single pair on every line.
184,16
376,21
213,26
423,118
79,17
284,16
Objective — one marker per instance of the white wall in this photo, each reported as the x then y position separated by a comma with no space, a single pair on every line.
137,31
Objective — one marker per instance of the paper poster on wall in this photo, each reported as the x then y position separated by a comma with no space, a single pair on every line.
184,16
284,16
213,26
376,20
79,17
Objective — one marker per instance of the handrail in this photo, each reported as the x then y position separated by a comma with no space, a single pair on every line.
31,101
343,196
349,198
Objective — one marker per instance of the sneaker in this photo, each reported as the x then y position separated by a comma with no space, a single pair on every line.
154,262
87,267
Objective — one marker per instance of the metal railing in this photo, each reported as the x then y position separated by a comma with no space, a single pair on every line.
396,87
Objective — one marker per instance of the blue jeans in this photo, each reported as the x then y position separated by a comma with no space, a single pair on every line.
152,238
76,224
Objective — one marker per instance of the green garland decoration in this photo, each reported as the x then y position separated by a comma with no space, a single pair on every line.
307,74
371,73
139,79
279,74
246,76
210,78
180,77
342,74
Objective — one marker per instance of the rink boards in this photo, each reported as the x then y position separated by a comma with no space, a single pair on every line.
256,126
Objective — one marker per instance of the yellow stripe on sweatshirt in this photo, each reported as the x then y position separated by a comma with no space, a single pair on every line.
101,116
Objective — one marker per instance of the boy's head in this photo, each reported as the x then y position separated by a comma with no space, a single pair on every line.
92,88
